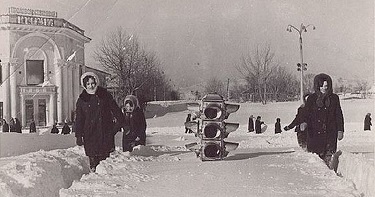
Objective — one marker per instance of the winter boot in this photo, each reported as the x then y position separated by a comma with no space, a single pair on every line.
334,162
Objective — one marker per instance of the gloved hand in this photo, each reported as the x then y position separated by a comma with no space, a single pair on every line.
303,126
340,135
286,128
79,141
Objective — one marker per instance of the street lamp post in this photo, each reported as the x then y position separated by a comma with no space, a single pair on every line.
301,66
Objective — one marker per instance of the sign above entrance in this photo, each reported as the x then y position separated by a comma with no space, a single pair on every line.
26,11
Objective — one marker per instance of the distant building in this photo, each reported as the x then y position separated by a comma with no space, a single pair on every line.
42,59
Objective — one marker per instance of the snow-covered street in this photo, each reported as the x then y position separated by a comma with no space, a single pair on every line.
263,165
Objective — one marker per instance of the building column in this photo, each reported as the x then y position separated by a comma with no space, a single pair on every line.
23,112
59,86
13,89
6,89
70,92
51,110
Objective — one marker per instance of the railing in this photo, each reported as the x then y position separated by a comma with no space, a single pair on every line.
39,21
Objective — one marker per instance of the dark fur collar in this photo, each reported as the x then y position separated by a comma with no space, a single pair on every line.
102,93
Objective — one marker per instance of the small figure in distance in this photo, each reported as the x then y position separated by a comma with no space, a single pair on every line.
258,125
66,128
32,126
277,126
368,124
250,125
54,129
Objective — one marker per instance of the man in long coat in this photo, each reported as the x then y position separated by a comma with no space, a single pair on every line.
94,127
324,119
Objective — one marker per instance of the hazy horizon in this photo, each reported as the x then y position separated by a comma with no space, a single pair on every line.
196,40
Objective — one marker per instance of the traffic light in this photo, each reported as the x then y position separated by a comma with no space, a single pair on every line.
211,128
299,66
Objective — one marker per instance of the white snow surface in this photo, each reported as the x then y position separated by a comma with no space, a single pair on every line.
263,165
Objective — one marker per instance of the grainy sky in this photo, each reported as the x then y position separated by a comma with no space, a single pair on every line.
196,39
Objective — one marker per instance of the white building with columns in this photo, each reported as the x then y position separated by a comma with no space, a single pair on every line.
42,58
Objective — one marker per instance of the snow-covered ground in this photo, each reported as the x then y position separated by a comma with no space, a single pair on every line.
263,165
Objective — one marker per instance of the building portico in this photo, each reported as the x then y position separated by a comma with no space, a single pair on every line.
42,58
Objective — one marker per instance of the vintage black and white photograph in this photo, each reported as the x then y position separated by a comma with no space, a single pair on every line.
159,98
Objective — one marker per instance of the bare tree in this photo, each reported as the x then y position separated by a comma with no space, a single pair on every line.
131,65
214,85
257,69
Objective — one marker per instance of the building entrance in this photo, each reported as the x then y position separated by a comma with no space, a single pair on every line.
36,109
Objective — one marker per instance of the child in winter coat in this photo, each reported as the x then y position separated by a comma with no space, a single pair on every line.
134,124
277,126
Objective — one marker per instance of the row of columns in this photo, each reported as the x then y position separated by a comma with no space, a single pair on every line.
11,98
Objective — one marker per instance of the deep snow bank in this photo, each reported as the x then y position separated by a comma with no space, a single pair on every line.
356,168
41,173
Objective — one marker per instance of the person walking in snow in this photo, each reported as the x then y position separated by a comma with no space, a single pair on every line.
250,125
367,122
277,126
258,125
94,127
134,124
298,123
325,120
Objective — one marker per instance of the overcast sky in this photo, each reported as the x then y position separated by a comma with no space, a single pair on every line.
196,39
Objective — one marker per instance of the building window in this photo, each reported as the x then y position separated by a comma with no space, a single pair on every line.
34,72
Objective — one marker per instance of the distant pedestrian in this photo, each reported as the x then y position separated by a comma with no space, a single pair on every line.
54,129
367,122
250,125
5,126
15,125
188,119
277,126
258,125
298,123
66,128
32,127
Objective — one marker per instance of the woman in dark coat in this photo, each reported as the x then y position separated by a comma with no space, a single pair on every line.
324,119
94,127
134,124
250,125
367,122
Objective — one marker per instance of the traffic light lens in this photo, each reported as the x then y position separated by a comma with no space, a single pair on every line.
212,151
210,113
211,131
